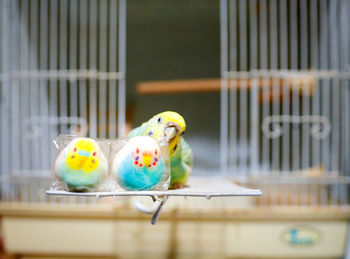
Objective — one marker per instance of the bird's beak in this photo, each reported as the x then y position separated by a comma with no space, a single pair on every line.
170,131
83,155
146,159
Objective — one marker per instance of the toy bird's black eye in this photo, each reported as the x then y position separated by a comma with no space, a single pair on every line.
159,119
175,147
182,133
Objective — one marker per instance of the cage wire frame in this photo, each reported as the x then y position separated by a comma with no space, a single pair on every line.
285,99
62,71
53,82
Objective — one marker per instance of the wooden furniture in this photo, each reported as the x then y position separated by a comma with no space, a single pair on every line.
206,229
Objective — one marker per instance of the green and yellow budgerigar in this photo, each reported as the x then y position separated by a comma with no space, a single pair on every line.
170,126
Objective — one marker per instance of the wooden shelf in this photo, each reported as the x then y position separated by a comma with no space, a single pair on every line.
305,85
179,86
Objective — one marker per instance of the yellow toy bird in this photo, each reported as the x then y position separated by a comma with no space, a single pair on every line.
81,165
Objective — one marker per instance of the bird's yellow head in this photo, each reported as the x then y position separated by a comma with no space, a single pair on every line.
169,126
83,155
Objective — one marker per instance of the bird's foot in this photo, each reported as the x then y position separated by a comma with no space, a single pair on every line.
176,186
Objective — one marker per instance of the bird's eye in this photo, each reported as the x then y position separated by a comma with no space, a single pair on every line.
75,149
182,133
159,120
175,147
94,154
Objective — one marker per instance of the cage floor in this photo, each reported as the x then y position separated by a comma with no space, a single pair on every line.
197,187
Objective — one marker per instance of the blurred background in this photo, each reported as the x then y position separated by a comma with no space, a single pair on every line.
263,86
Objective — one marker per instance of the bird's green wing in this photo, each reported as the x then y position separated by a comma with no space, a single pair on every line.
134,132
187,156
181,164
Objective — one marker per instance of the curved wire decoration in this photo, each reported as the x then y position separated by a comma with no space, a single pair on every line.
33,125
320,129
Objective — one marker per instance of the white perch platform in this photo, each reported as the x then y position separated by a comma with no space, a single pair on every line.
206,187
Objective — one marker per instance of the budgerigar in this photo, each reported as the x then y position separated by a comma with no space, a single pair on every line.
139,165
170,126
81,165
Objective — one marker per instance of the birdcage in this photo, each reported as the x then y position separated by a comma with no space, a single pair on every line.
284,128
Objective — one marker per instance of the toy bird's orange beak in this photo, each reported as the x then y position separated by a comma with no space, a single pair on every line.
147,158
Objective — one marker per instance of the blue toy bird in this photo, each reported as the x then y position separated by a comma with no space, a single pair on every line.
139,165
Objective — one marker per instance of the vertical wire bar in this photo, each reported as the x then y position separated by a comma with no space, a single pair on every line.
92,66
295,92
24,83
13,94
122,69
83,53
335,101
9,85
334,63
15,101
295,87
52,50
243,57
345,139
63,49
325,87
224,101
72,58
263,50
72,32
284,65
283,61
3,193
103,66
254,102
44,109
296,132
275,81
263,21
4,90
112,93
34,84
305,92
273,45
306,88
232,110
346,97
316,95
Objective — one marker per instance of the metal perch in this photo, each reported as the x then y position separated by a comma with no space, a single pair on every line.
206,187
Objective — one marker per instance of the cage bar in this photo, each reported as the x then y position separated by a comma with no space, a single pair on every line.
57,65
297,80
